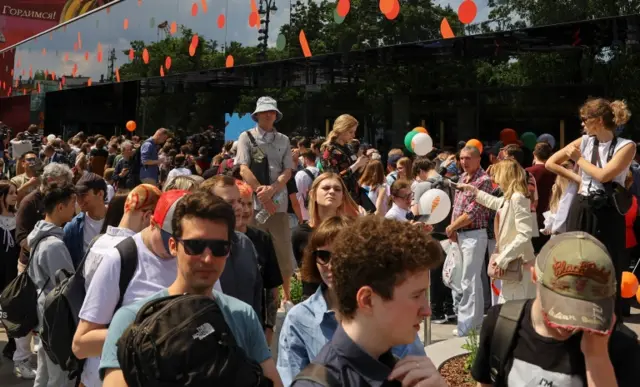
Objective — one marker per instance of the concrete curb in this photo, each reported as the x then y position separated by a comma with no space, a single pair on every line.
445,350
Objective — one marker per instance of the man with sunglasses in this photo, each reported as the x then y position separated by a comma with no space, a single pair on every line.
28,181
203,228
156,269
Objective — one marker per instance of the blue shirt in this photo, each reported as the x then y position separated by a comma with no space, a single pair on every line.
148,152
242,320
307,328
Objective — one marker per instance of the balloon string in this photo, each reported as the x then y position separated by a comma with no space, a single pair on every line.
634,269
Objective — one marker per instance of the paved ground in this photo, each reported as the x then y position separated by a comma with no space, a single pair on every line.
439,352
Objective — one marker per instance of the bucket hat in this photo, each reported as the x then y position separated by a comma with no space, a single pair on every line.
266,104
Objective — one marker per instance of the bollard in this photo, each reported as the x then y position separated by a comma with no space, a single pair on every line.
427,320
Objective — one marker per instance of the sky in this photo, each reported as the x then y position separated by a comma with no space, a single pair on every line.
107,29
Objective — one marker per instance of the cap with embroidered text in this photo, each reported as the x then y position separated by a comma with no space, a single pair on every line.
578,283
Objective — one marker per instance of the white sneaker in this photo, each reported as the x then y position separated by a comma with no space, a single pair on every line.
22,370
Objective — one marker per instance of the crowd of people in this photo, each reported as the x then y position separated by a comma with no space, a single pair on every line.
185,254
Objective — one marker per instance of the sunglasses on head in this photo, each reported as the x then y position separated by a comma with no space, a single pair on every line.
219,248
323,257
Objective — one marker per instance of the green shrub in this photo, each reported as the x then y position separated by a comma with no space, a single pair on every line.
471,344
296,290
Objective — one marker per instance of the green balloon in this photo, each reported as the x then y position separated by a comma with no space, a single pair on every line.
408,138
529,140
281,43
337,18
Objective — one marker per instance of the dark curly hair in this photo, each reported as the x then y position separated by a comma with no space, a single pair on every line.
321,236
380,253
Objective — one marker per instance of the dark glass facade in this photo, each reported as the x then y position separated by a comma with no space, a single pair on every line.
517,65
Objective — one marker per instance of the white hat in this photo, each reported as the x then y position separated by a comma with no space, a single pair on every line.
266,104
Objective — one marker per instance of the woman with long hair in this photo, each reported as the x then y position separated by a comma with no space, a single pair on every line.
374,183
327,197
311,324
336,155
404,167
604,160
19,349
513,226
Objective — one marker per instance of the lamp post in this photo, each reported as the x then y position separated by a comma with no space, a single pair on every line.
267,7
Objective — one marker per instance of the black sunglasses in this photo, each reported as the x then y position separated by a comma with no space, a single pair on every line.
323,257
219,248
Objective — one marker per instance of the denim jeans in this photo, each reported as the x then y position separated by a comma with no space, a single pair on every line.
473,245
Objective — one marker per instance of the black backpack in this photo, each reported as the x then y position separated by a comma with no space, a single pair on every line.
318,374
502,339
62,307
312,177
184,340
19,303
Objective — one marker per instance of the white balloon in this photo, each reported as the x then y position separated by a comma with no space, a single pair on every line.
435,203
422,144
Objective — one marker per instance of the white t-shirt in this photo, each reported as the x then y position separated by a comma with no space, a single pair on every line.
303,183
152,275
111,192
106,242
175,172
91,229
586,149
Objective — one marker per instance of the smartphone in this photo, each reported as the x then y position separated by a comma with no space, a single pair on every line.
454,184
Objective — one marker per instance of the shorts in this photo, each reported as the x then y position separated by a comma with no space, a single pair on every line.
278,226
271,309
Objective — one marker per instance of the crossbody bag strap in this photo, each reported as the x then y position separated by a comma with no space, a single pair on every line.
317,373
502,339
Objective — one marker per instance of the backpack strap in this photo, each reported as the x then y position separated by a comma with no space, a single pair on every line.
317,373
502,339
128,264
308,172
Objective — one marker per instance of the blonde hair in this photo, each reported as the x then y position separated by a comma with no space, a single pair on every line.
181,182
342,125
344,208
557,191
510,177
613,114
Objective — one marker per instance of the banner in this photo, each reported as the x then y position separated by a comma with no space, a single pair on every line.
22,19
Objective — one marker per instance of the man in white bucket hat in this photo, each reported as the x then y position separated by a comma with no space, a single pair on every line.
264,157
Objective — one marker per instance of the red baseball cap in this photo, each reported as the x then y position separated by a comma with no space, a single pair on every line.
163,214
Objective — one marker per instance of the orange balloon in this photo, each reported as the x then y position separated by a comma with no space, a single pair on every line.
395,11
386,6
304,44
131,126
131,54
445,29
174,28
125,24
205,8
421,130
629,285
89,82
167,62
230,61
194,9
637,293
475,143
343,7
161,71
221,21
118,74
254,19
145,56
467,11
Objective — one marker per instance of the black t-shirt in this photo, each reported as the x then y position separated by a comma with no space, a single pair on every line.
292,188
271,276
543,361
299,240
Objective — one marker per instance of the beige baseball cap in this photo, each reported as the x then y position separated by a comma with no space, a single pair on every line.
578,282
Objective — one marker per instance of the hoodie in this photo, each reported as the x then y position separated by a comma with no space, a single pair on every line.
48,255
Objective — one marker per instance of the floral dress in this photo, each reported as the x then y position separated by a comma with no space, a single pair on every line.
338,159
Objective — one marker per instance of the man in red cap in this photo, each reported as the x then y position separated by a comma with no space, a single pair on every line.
154,270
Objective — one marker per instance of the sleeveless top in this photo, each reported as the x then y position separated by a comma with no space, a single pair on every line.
586,149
